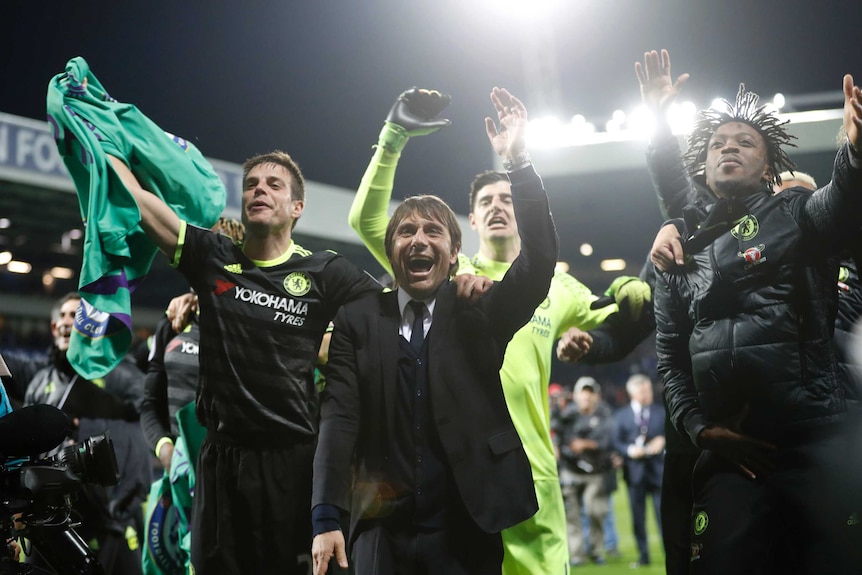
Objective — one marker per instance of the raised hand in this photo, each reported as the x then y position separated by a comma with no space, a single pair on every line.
658,90
510,140
853,113
415,110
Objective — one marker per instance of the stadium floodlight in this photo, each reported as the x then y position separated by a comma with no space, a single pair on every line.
4,223
5,258
779,100
562,267
61,273
719,105
586,249
18,267
681,117
613,265
640,123
524,9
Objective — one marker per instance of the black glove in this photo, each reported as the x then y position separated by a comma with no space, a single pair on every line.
413,114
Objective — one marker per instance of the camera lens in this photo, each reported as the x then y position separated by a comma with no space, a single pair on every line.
93,460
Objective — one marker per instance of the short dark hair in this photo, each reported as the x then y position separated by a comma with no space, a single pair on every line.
55,309
744,110
431,207
297,186
483,179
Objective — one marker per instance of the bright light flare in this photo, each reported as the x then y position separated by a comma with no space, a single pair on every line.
613,265
17,267
5,223
586,249
5,258
523,9
562,267
681,117
719,105
779,100
61,273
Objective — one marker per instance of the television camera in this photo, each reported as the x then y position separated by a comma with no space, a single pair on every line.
36,493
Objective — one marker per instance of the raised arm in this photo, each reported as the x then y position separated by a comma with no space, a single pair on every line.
659,90
158,220
526,283
837,207
412,114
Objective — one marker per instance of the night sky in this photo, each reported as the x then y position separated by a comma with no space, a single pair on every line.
316,78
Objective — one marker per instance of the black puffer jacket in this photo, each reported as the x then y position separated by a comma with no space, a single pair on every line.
745,331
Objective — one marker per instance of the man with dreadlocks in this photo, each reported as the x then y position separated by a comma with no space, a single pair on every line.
744,342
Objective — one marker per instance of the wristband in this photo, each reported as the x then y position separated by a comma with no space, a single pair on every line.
392,137
516,162
161,442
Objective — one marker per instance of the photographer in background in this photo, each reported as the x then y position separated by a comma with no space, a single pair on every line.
111,517
585,454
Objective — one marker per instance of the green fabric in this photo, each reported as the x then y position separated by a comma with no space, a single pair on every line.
87,124
539,544
169,508
161,555
193,434
525,373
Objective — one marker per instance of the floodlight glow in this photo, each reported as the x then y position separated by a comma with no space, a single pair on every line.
47,279
534,9
17,267
562,267
61,273
779,100
619,117
586,249
5,258
719,105
613,265
75,234
612,126
4,223
641,122
546,132
681,117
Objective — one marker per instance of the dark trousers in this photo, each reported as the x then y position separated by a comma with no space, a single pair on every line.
637,498
385,547
676,502
801,518
252,510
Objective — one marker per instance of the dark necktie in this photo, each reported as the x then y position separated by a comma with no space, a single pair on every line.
643,420
417,333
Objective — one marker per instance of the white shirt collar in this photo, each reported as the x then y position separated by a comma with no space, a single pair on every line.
404,298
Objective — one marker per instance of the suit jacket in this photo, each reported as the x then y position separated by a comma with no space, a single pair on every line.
466,344
646,470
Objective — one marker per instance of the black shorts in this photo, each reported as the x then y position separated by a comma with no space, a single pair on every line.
252,509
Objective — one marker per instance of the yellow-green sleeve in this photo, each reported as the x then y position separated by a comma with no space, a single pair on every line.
369,213
578,298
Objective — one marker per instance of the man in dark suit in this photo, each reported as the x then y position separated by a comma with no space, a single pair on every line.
639,438
416,441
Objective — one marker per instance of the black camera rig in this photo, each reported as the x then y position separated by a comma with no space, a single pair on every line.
36,493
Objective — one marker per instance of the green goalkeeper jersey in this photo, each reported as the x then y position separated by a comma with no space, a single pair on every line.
526,368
